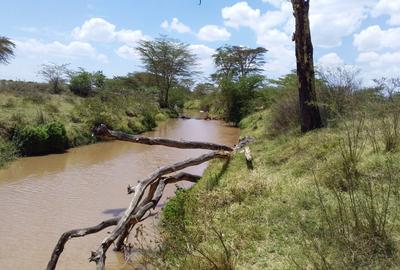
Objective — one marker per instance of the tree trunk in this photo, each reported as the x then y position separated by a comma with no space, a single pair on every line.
310,117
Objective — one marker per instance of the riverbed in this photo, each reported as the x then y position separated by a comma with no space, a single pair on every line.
41,197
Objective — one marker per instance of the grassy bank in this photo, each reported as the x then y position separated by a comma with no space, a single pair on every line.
325,200
27,112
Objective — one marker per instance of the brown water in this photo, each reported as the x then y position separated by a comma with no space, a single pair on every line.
41,197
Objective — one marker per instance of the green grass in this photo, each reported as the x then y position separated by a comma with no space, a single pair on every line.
18,109
292,211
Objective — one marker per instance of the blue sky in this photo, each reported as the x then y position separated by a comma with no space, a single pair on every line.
102,35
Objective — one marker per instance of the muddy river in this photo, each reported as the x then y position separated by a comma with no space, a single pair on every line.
41,197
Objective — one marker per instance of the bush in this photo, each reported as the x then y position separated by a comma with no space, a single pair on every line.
135,126
81,84
357,211
41,139
160,117
8,152
149,121
285,114
239,97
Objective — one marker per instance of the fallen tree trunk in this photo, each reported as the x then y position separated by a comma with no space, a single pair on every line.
131,213
59,248
154,183
182,176
104,133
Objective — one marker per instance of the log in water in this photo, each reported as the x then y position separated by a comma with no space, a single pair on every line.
41,197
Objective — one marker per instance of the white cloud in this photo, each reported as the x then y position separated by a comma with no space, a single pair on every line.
241,14
95,29
280,56
374,38
75,49
332,20
330,60
275,3
204,55
213,33
376,65
130,37
127,52
100,30
175,25
388,7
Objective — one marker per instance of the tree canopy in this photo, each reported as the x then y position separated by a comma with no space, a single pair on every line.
238,61
6,49
169,61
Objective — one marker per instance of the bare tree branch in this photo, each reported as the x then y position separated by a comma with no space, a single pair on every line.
59,248
133,213
104,133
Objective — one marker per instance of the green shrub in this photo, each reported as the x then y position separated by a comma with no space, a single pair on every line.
8,152
239,97
79,134
285,114
149,121
41,139
160,117
135,126
81,84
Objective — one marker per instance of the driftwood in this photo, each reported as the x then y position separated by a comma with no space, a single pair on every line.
59,248
146,194
103,132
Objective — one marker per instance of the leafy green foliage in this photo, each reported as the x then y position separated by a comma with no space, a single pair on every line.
168,61
81,84
8,152
238,97
6,49
41,139
235,61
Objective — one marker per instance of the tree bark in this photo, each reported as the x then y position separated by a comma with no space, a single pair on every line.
132,213
310,117
104,133
59,248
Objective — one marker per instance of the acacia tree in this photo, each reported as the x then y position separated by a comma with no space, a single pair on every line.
55,75
6,49
237,61
169,61
310,117
238,76
388,86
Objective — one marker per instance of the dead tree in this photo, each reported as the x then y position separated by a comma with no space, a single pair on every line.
146,194
310,117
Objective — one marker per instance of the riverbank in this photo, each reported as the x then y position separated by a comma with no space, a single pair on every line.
25,117
324,200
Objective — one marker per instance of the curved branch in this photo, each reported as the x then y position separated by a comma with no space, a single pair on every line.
103,133
132,212
151,196
59,248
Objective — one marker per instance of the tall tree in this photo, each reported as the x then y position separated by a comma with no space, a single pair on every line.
169,61
55,75
6,49
310,117
237,61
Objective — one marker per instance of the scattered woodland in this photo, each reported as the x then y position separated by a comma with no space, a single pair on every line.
324,191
